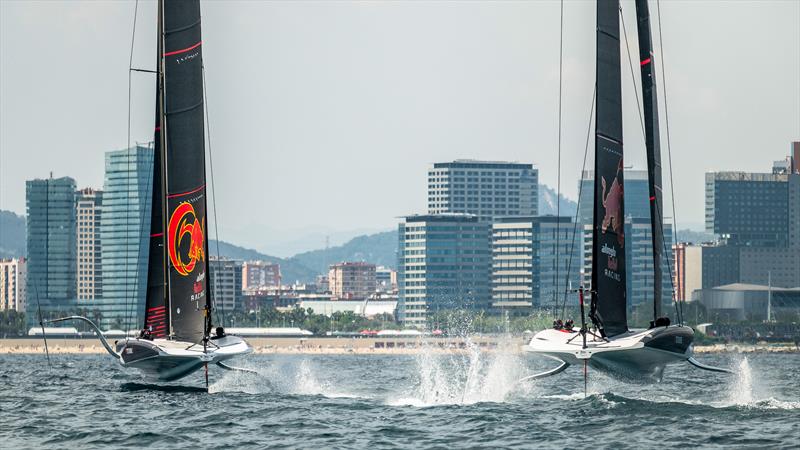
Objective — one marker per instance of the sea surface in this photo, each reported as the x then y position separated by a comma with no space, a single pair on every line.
430,400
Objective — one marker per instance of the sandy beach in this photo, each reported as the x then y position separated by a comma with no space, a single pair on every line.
376,346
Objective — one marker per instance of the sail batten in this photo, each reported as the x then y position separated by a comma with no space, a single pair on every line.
609,304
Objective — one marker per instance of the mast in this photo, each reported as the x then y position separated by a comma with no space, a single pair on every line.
157,312
653,146
609,304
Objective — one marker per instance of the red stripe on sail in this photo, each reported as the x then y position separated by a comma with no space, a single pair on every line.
186,193
184,50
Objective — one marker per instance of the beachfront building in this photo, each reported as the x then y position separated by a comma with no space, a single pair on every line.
444,263
226,283
351,280
260,274
12,284
89,267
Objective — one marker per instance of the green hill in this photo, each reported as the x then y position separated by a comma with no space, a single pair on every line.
290,270
379,249
12,235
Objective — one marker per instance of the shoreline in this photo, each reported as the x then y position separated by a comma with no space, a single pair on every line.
359,346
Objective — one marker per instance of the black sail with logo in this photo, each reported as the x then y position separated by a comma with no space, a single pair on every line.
183,200
608,310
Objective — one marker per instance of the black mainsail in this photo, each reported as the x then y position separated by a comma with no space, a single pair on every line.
609,304
650,103
177,296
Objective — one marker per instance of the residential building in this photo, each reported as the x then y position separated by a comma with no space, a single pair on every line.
351,280
688,269
534,262
444,263
226,283
51,246
89,265
12,284
322,283
124,235
260,274
486,189
385,279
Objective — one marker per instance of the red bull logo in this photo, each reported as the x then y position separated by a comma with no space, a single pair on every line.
183,224
612,204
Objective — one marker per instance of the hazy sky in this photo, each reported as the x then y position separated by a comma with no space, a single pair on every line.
324,116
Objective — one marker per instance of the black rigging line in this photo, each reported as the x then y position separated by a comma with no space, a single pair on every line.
128,314
213,201
558,188
47,256
577,211
679,304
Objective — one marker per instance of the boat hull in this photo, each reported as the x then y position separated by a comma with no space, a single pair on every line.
635,356
168,360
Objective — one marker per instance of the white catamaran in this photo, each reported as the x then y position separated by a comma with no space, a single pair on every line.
636,355
176,338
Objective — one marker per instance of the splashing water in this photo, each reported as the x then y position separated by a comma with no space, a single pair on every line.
473,376
741,389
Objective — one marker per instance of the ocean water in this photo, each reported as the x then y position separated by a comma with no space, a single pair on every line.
430,400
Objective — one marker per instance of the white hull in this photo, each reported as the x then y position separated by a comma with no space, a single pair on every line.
169,360
639,355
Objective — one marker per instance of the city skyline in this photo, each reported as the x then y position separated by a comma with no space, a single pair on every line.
473,81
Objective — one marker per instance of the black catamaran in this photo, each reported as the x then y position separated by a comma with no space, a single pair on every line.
176,338
610,345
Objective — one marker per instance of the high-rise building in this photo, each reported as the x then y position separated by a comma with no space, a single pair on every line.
124,235
534,262
444,264
51,246
351,280
757,215
226,283
260,274
12,284
89,268
486,189
754,209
